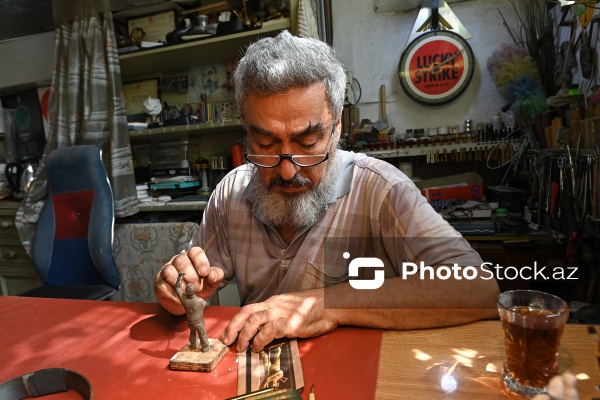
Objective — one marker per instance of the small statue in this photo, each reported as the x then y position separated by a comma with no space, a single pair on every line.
201,353
187,110
194,310
136,36
152,107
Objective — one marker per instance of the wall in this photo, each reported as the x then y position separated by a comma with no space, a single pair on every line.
370,45
26,60
401,6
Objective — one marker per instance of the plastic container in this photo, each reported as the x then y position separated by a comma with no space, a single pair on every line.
497,122
501,214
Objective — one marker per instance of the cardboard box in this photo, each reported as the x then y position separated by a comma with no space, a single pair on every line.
467,186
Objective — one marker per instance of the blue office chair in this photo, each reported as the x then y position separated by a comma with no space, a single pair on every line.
72,247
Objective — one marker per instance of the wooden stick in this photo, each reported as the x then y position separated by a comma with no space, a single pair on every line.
382,102
595,188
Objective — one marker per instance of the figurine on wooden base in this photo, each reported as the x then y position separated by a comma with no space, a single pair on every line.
201,353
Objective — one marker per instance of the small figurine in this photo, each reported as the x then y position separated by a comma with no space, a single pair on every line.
152,107
194,311
201,353
136,36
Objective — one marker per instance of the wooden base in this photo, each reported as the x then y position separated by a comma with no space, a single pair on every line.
195,360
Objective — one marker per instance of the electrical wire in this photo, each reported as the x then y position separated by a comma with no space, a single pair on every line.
522,147
356,101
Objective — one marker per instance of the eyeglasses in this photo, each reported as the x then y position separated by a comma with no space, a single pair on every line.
271,161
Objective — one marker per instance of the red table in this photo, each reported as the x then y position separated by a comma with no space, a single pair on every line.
124,349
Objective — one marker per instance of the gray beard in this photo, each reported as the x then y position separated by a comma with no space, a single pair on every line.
282,209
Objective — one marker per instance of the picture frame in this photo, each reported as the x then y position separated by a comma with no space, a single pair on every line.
155,26
277,366
134,94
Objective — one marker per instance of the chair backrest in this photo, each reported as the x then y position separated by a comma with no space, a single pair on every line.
73,238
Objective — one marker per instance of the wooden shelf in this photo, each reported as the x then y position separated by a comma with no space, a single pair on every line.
197,52
428,150
193,130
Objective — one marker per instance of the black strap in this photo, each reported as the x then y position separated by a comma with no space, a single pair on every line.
435,15
45,381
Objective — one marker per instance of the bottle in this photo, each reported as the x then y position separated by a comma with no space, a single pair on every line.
510,120
501,214
527,213
496,122
468,127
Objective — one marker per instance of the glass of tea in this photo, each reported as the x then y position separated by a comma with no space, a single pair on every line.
533,323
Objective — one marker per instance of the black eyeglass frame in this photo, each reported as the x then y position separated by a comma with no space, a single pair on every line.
291,157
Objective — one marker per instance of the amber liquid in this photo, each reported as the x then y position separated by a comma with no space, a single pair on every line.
531,351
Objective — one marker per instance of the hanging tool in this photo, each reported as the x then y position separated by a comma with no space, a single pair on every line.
539,170
563,137
594,204
548,185
556,189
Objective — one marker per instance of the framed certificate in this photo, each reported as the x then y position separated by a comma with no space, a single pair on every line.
156,26
135,93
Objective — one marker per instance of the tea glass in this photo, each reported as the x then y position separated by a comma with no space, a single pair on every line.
533,323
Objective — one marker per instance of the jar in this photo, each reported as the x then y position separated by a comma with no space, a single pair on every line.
497,122
501,214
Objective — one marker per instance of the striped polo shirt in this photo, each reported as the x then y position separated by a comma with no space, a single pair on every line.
374,211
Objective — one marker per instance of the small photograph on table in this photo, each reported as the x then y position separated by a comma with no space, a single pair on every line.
276,367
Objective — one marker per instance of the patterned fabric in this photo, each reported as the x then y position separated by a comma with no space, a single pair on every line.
86,106
140,251
375,212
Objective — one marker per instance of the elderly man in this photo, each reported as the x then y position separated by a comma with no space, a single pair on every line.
301,217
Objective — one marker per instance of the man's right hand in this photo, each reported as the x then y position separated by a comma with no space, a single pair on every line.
196,267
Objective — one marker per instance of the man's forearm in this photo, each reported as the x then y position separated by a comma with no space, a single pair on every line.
412,303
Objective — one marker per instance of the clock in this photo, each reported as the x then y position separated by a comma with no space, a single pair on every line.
436,67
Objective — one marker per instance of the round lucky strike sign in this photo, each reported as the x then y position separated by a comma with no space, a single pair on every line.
436,67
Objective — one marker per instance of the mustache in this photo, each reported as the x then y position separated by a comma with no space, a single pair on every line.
296,181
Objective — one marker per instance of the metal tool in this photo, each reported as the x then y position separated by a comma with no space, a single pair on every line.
563,137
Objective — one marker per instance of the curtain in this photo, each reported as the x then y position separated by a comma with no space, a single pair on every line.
86,105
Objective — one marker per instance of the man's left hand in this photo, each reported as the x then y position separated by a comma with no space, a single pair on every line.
292,315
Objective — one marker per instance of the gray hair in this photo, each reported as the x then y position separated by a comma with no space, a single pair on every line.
276,65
